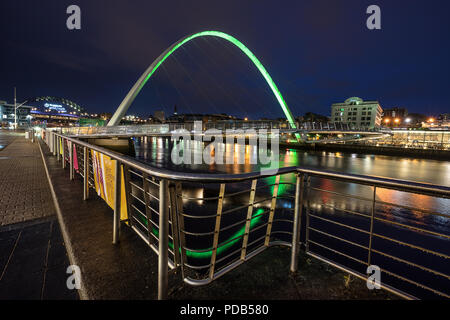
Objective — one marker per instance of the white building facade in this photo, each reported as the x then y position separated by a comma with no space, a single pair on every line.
357,112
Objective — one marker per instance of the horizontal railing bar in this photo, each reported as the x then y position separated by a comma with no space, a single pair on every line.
153,182
345,195
198,234
198,217
137,198
412,228
412,264
416,283
206,266
413,209
412,246
338,252
136,186
344,210
200,198
238,250
151,195
339,224
339,238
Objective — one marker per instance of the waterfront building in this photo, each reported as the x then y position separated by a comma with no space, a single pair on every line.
7,116
357,112
393,113
160,116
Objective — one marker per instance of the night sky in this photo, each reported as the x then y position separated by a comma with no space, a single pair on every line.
318,52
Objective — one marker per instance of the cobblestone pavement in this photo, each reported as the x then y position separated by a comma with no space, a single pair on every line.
25,193
33,262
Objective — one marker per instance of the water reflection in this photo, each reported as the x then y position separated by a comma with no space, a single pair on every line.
156,152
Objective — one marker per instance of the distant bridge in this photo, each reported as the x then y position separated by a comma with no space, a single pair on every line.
324,133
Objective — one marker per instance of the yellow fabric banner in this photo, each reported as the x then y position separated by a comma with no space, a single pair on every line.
104,180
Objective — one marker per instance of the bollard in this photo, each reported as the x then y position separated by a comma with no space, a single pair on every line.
297,221
163,239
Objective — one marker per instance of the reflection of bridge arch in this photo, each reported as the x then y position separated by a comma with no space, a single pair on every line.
67,102
122,109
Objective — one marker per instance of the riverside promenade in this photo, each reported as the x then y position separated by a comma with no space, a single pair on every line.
127,270
33,258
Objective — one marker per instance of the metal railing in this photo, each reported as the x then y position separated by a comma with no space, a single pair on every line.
206,225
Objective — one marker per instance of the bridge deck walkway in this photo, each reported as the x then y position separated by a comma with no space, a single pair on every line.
129,270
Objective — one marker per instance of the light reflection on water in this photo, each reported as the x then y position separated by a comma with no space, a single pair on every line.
156,152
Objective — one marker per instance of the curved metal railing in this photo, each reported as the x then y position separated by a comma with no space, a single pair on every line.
206,225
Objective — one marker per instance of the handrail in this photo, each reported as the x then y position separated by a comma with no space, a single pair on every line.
176,243
405,185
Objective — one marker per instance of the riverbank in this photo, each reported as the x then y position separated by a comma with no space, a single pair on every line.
443,155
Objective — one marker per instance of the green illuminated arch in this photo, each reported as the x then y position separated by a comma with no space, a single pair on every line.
122,109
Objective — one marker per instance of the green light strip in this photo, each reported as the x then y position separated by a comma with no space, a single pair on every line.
220,249
244,49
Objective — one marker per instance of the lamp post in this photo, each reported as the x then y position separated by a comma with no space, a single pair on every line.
16,107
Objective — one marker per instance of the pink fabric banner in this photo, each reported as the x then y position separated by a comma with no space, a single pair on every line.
75,159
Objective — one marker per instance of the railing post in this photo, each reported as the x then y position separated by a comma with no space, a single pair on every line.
163,239
117,185
53,135
86,173
369,258
297,221
251,202
116,222
175,228
58,148
71,160
63,145
308,182
273,206
217,230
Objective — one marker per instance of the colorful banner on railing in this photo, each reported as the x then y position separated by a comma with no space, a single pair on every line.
104,180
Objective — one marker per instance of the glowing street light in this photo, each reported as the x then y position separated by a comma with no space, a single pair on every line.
397,120
408,120
431,120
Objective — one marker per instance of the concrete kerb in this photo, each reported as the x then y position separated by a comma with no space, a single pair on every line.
82,292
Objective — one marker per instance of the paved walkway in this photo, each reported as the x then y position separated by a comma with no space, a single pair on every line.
25,193
33,259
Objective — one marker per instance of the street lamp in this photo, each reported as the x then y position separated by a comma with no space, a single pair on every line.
16,107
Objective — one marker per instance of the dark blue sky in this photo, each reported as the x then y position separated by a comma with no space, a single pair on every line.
318,52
